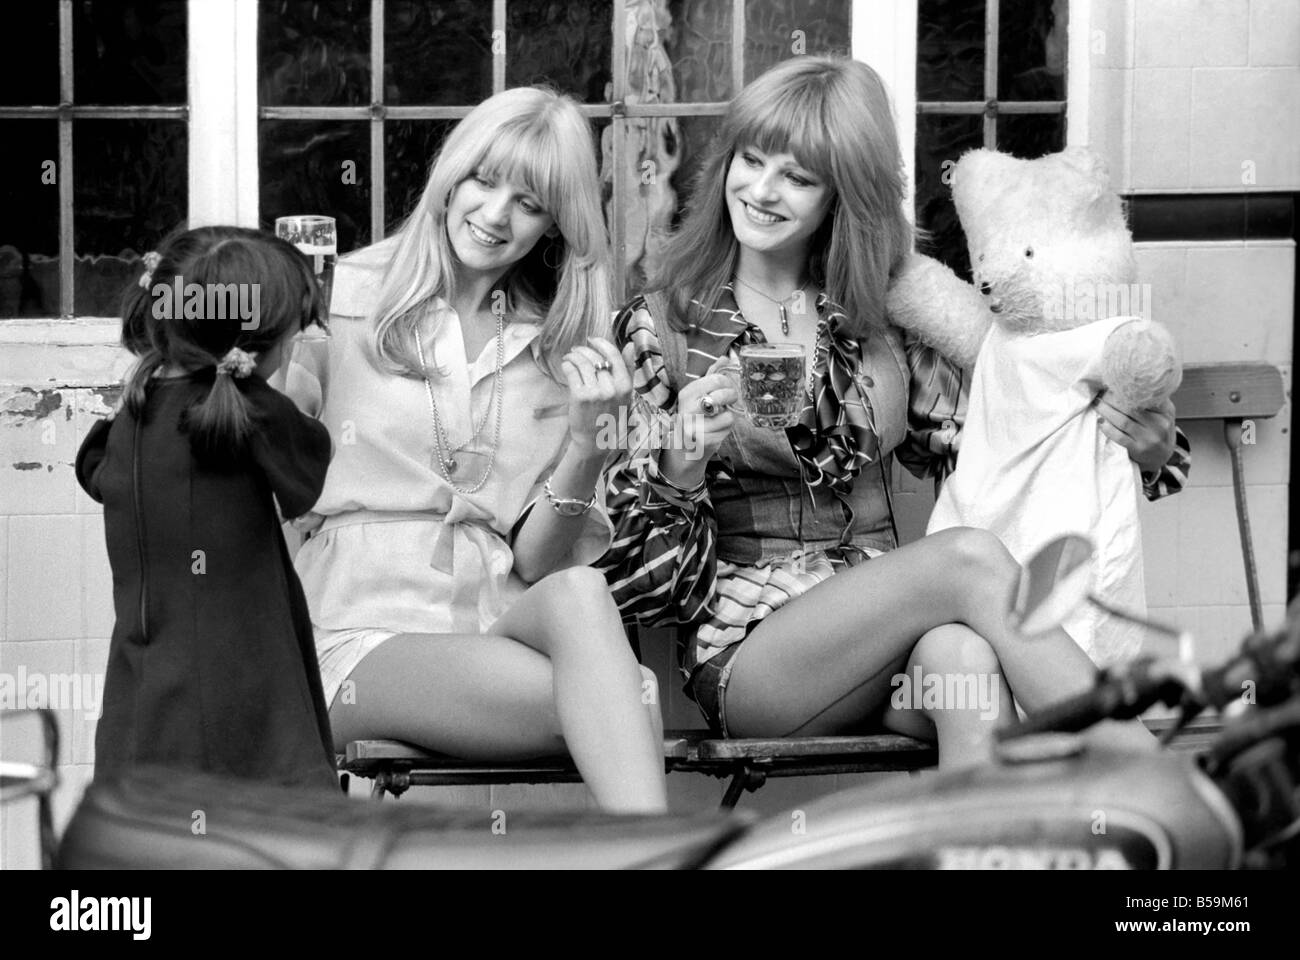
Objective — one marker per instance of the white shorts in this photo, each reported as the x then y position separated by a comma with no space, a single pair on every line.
339,652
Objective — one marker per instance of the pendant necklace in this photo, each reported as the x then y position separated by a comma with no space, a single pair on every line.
780,304
444,455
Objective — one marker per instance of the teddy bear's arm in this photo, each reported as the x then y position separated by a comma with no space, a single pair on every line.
935,306
936,410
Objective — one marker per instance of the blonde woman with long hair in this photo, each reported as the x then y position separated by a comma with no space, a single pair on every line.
463,384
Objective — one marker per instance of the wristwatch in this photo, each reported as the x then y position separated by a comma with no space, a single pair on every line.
568,506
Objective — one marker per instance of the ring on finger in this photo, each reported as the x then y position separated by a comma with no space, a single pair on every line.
708,406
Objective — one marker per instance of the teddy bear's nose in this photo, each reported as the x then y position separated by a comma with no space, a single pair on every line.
985,287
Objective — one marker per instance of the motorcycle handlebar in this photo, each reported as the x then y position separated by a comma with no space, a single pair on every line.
1118,695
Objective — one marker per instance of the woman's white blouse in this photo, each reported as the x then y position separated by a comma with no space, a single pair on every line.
394,546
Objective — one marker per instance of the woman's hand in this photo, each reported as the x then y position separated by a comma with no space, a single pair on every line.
701,433
599,386
1148,435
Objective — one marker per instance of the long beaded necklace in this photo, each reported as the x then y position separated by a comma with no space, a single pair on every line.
780,304
443,455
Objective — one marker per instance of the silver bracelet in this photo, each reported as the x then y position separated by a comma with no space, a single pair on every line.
568,506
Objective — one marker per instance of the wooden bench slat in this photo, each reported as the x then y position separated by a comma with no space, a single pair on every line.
801,747
1208,390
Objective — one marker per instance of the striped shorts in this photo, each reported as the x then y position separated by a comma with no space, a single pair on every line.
745,595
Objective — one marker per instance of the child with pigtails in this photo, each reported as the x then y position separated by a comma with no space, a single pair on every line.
212,664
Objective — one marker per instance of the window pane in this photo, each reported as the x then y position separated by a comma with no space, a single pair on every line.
564,44
950,50
1030,135
1032,50
698,43
130,190
313,54
409,149
940,142
29,54
320,167
129,51
29,229
437,53
776,30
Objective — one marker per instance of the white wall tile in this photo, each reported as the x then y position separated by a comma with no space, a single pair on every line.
1191,33
1274,33
1243,129
1161,127
41,673
37,446
45,583
1224,302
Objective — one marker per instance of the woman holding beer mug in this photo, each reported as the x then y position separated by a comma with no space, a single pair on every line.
463,384
769,533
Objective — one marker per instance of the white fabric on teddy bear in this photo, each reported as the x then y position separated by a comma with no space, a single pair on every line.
1034,463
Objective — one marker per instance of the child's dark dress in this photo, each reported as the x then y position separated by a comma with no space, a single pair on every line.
212,664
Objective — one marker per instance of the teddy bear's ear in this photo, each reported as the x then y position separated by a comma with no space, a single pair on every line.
975,178
1089,164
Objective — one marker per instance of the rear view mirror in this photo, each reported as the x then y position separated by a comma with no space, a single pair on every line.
1054,584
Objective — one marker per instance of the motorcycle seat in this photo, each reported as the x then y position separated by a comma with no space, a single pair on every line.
157,818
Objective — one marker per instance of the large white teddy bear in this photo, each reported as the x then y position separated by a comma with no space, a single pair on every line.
1050,324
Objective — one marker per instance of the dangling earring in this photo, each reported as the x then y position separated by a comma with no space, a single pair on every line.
559,253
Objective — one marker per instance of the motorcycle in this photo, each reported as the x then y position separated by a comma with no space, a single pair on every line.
1063,791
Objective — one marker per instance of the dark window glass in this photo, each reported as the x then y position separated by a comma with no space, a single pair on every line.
29,227
130,190
410,147
698,42
950,50
1032,50
1030,135
29,54
437,53
564,44
129,51
313,54
317,167
940,142
776,30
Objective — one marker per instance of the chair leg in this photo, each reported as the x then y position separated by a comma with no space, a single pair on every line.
378,787
1232,437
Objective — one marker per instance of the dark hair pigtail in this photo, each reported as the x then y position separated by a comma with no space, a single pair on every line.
219,426
133,391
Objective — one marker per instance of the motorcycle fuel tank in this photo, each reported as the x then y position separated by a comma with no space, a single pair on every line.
1094,806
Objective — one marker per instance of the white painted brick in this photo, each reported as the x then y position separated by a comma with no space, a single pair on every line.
1111,42
45,582
97,579
91,405
1245,116
1207,552
1161,128
1192,33
37,446
4,579
1274,33
1109,117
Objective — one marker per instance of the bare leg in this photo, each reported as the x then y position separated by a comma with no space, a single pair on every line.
973,698
827,658
570,617
555,672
